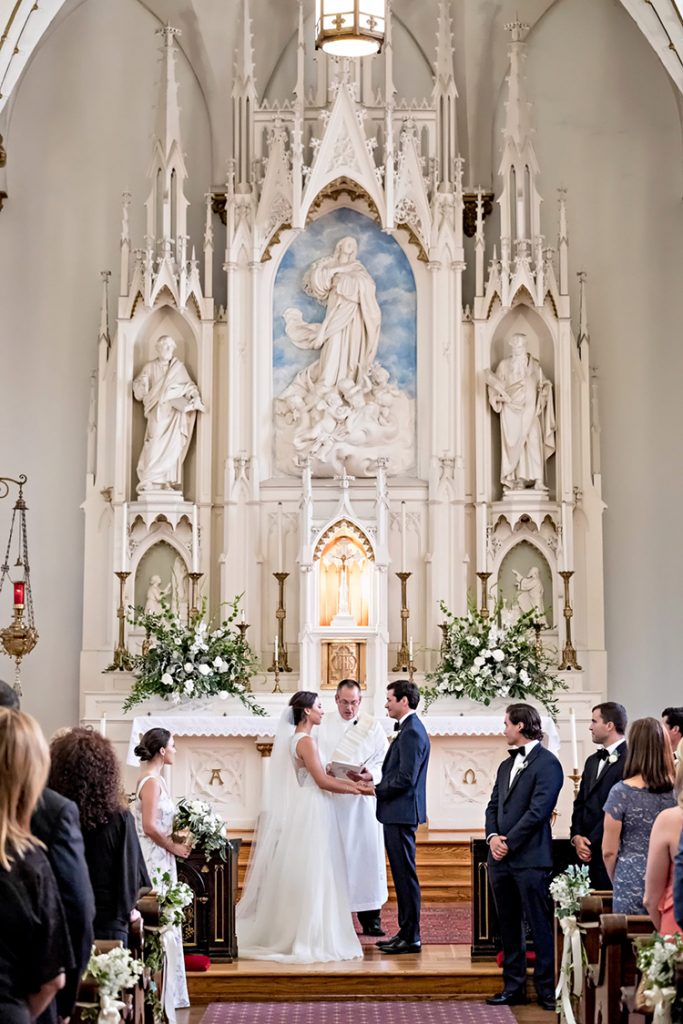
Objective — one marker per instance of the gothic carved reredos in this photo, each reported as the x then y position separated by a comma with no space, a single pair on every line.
342,528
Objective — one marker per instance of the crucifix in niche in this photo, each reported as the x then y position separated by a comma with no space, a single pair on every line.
344,584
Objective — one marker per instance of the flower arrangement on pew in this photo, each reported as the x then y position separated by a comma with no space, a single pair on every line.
656,959
160,947
184,661
483,660
201,827
114,972
567,890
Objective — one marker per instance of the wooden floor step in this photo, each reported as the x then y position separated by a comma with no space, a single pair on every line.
438,972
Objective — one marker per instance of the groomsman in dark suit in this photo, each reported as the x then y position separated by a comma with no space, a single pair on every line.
601,771
527,786
401,807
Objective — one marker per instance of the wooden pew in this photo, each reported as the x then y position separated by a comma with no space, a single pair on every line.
617,965
150,912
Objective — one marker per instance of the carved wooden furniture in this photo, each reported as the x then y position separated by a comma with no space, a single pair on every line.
209,926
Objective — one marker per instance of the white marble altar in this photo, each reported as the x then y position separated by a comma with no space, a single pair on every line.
350,410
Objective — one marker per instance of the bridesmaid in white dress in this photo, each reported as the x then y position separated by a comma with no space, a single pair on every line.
154,813
295,905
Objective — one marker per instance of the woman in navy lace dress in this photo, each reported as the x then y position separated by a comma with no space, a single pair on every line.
630,811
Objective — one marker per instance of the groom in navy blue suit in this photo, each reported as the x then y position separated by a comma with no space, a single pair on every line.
401,807
521,855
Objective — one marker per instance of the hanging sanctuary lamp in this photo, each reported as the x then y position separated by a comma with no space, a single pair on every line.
20,637
349,28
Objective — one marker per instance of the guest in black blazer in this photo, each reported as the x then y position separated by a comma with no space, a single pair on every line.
56,823
601,771
518,834
401,806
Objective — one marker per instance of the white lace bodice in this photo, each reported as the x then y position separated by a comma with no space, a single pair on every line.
303,776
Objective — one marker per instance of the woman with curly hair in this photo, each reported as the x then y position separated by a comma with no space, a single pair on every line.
86,770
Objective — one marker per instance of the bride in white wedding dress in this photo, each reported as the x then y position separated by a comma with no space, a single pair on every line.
295,904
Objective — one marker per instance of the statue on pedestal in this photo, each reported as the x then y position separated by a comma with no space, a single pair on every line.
155,596
523,396
171,401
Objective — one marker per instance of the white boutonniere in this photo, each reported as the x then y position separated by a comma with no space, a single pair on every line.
613,758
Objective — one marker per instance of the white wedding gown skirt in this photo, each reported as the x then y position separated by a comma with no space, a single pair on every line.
295,907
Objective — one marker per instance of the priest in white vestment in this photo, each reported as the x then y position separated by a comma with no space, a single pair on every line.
362,835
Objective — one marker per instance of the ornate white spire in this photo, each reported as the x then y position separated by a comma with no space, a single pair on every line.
243,101
104,338
445,94
166,204
520,202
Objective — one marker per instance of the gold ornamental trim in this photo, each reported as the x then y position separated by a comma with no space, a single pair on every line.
340,528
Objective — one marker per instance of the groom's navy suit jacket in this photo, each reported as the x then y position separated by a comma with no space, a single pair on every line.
522,812
401,793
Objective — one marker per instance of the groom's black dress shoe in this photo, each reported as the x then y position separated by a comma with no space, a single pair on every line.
504,998
395,948
388,942
374,929
547,1002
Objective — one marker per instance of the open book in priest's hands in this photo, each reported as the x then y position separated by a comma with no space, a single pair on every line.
340,769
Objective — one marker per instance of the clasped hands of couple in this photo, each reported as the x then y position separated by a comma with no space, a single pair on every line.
364,784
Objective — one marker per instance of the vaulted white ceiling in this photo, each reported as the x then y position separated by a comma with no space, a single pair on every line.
212,29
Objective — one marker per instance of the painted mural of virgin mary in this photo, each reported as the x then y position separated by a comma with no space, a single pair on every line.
349,335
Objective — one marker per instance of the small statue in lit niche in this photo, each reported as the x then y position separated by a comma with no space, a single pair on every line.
523,396
155,596
530,594
170,400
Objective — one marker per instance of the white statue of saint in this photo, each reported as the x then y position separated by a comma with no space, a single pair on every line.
523,396
180,597
171,401
155,595
349,335
530,596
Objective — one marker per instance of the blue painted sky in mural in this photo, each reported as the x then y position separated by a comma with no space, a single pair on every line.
388,265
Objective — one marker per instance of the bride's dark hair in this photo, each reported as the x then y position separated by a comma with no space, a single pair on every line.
299,702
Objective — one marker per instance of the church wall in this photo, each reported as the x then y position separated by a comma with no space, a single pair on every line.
78,135
608,128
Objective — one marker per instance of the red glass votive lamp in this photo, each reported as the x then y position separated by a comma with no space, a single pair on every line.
19,595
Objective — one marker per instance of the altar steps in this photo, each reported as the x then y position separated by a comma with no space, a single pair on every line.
438,972
444,866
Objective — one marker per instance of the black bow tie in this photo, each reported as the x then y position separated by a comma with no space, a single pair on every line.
397,726
515,751
603,754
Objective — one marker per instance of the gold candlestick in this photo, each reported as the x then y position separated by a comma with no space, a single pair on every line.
276,670
193,610
403,654
576,780
243,627
280,614
483,577
122,661
568,651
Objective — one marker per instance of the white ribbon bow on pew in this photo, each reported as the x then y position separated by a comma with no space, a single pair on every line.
109,1009
571,968
660,999
170,949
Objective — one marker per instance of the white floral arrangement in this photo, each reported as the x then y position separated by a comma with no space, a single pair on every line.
182,661
567,890
483,660
656,959
114,972
206,827
173,897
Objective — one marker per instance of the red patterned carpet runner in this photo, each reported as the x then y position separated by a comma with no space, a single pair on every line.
441,924
362,1012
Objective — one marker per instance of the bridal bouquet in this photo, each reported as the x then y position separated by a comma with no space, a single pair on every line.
483,660
184,661
206,828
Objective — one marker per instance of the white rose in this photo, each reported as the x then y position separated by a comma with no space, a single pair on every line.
224,667
486,653
479,661
511,670
189,686
524,675
498,655
167,679
205,670
217,662
188,666
223,694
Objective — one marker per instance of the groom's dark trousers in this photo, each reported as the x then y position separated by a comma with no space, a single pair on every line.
520,881
401,807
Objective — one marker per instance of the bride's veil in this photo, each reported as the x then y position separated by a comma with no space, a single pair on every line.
274,815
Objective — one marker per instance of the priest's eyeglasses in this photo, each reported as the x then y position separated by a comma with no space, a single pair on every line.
349,703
